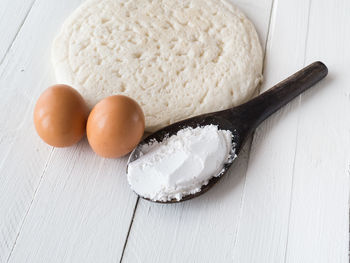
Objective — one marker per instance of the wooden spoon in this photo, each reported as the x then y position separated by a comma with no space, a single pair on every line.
242,120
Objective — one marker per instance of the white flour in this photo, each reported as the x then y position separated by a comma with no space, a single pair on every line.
182,164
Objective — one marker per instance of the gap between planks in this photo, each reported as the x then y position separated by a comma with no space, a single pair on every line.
18,30
47,162
52,149
31,203
130,226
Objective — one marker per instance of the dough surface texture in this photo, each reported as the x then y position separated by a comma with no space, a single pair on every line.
176,58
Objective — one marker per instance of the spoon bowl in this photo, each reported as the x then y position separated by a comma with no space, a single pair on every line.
241,120
198,121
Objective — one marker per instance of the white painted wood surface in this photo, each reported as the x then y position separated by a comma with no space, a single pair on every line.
56,203
284,200
13,13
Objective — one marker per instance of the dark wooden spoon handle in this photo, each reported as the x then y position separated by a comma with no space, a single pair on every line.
258,109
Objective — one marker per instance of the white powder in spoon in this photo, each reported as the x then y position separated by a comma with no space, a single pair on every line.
181,164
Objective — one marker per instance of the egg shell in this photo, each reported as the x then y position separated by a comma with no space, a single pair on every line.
60,116
115,126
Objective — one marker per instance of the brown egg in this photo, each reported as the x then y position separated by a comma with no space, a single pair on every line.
115,126
60,116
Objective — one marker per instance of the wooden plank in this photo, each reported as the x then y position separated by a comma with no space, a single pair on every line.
203,229
12,16
319,223
81,212
262,236
56,205
290,179
292,206
21,158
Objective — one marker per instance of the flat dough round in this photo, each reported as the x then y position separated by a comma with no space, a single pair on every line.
176,58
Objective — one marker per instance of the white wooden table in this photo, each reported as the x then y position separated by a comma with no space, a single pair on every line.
285,199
